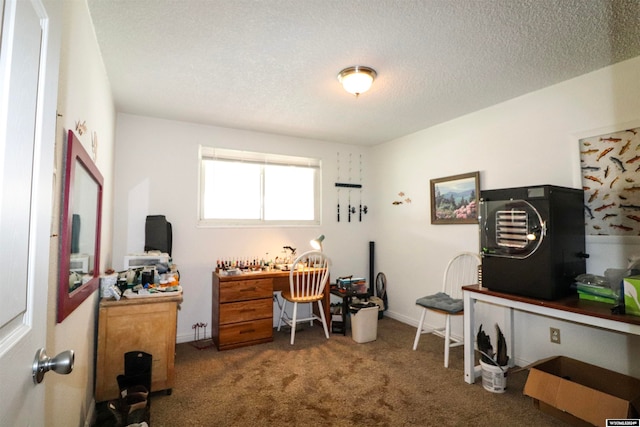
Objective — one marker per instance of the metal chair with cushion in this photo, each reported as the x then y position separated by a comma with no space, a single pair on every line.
307,282
462,270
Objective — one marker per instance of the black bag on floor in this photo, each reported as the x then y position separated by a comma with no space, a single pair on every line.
137,370
134,403
158,234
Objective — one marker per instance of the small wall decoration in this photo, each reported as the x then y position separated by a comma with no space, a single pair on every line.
399,202
610,166
94,146
454,199
81,128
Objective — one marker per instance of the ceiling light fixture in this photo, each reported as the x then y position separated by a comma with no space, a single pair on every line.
357,80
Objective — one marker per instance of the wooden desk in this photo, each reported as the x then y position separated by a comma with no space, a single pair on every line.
571,309
239,313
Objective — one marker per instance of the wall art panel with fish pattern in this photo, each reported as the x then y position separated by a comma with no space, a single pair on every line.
611,180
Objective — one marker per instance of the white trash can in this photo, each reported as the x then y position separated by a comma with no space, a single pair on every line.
364,322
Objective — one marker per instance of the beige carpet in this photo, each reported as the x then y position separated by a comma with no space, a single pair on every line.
337,382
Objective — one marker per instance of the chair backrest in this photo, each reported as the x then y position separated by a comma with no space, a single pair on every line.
462,270
309,274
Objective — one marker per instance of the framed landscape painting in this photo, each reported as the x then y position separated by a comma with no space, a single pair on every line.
454,199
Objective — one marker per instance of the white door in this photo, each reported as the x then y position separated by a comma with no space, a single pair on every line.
29,54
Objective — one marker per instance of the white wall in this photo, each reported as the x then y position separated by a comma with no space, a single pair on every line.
526,141
157,174
529,140
84,95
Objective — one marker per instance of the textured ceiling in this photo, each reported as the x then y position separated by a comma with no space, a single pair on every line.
271,65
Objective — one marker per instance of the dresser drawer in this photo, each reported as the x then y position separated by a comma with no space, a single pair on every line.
235,312
246,331
242,290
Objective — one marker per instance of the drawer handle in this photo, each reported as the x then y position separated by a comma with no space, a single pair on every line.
248,289
247,310
247,331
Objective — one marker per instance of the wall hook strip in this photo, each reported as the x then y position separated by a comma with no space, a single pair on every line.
347,185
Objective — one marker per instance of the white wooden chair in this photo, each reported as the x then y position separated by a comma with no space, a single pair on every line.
307,281
462,270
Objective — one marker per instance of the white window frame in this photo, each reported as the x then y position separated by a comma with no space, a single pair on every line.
209,153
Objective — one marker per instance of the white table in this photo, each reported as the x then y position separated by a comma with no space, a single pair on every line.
571,309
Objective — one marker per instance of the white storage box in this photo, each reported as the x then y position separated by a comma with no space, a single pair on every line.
145,260
364,324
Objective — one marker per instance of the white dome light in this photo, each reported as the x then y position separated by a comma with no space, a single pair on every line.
357,80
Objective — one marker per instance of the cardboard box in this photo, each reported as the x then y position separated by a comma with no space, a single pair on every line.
578,392
632,295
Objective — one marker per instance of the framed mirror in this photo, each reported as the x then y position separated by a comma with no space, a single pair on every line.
80,228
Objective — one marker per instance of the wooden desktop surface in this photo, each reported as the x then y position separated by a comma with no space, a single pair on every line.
571,303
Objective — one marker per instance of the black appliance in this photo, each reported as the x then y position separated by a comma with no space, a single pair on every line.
532,240
158,234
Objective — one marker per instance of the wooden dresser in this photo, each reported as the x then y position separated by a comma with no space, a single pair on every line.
242,311
140,324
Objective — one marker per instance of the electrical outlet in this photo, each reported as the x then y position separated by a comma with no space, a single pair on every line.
554,335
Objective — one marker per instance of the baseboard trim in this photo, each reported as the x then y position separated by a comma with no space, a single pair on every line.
413,322
401,318
91,414
185,338
181,339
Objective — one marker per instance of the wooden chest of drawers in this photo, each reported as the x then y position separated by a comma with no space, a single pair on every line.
242,311
142,324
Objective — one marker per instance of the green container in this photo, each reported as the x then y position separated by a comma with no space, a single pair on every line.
632,295
591,297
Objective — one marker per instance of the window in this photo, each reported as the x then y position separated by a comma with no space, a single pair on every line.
247,188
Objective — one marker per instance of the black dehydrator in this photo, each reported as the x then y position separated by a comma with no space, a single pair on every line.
532,240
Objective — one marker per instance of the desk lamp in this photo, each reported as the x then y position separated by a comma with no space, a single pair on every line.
317,243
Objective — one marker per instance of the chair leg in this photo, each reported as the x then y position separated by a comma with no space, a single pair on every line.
324,320
293,322
284,303
447,340
419,331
